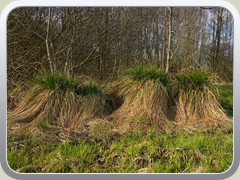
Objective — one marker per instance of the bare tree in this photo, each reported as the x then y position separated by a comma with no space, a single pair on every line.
100,42
169,48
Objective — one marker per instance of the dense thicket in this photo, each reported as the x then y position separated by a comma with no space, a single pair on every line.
100,41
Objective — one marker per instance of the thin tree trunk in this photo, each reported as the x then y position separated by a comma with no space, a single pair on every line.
169,38
218,37
48,42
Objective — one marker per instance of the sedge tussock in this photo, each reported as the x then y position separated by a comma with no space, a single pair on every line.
198,106
67,104
144,100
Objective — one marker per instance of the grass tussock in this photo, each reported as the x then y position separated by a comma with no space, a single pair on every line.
59,101
144,96
140,73
57,81
69,130
198,106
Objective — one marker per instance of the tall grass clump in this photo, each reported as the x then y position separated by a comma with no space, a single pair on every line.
61,101
198,106
57,81
143,92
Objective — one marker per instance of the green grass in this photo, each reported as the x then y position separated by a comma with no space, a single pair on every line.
141,73
226,97
56,81
194,80
44,124
209,152
59,81
167,153
89,89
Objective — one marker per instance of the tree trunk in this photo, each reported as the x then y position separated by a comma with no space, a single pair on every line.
169,39
48,46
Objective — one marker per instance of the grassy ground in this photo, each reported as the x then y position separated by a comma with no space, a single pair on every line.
226,97
136,152
204,152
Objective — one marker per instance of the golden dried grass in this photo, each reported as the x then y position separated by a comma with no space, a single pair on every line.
64,109
144,105
197,106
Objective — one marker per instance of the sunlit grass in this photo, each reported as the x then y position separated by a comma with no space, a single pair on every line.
194,80
56,81
63,101
141,73
164,153
102,151
144,93
64,83
198,105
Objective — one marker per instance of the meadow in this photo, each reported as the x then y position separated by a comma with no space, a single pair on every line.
138,151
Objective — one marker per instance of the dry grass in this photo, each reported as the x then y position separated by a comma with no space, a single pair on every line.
59,106
144,99
198,106
14,95
139,100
